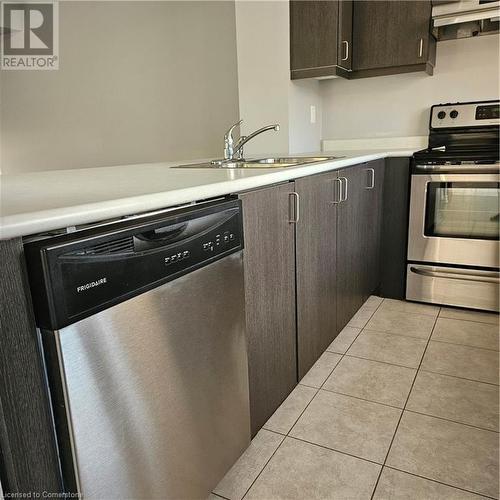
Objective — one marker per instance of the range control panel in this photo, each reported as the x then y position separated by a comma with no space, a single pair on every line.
458,115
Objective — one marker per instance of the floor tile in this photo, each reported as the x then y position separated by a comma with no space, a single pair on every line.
351,425
397,485
371,380
466,333
243,473
388,348
287,414
461,361
479,316
301,470
464,401
360,319
320,371
448,452
402,323
409,307
344,339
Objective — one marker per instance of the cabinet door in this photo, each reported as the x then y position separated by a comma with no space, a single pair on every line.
390,33
313,34
316,267
344,48
352,244
372,223
269,258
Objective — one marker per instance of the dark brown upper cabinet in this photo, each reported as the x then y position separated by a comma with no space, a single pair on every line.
360,38
320,38
392,37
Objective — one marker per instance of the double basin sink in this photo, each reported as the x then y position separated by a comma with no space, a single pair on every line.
282,162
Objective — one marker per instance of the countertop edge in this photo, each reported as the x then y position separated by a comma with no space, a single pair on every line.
30,223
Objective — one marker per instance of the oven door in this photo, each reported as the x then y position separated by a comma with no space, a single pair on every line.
454,219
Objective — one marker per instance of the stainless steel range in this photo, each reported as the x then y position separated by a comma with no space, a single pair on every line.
453,238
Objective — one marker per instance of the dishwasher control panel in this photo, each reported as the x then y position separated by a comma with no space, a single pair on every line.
92,270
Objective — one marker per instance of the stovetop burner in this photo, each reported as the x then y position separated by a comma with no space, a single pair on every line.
435,157
462,134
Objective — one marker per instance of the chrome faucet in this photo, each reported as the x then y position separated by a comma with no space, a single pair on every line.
234,151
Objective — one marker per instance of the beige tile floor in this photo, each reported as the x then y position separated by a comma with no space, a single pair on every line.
402,405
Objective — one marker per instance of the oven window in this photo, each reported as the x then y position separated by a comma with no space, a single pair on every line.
462,210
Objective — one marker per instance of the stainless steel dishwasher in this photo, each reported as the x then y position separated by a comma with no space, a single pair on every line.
142,328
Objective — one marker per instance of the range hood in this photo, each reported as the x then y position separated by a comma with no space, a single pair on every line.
465,18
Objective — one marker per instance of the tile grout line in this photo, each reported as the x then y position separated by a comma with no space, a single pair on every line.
453,421
219,496
472,320
265,465
460,378
439,482
384,362
393,333
465,345
404,407
334,450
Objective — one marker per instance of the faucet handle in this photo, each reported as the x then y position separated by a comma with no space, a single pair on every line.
229,142
229,134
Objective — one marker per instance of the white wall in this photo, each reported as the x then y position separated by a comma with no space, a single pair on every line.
266,94
263,72
398,105
304,136
138,81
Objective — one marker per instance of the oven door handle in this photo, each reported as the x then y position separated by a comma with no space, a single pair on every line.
485,277
465,169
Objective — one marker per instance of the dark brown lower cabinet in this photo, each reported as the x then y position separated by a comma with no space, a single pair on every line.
316,267
304,280
358,237
269,259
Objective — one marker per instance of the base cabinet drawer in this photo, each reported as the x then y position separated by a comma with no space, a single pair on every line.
453,286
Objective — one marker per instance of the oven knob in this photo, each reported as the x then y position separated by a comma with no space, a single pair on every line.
441,115
454,113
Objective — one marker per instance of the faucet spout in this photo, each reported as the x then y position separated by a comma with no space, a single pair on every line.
238,148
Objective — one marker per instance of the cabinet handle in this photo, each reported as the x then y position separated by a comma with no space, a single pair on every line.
421,47
371,173
337,194
345,43
344,181
296,208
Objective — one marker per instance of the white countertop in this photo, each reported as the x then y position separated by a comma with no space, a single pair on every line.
42,201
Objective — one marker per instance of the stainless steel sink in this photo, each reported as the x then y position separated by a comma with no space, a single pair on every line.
292,161
280,162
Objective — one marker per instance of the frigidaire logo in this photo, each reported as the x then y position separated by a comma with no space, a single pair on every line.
91,284
31,35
